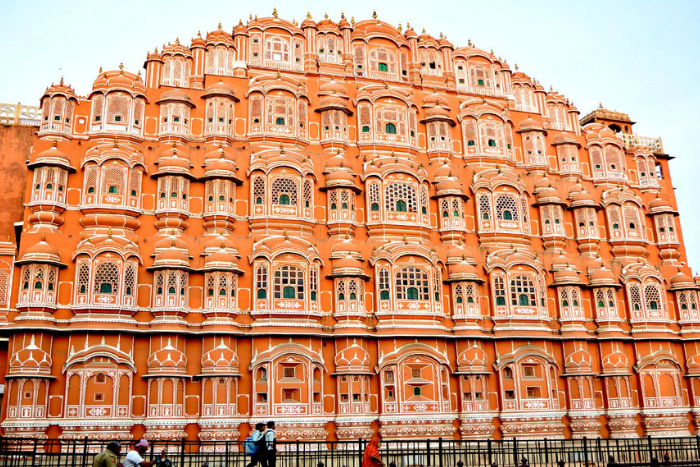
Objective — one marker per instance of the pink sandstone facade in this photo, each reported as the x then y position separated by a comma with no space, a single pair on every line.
348,228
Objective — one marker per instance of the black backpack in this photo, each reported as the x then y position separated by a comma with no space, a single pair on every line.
262,445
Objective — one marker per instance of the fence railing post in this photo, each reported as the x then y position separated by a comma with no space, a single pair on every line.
428,453
182,452
585,451
546,452
515,451
34,453
488,449
651,449
440,451
85,448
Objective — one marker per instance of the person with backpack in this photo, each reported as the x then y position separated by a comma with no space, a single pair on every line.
270,445
254,446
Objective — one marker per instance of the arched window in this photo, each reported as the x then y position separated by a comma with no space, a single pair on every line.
107,278
383,67
390,128
412,284
384,284
507,215
289,283
401,205
522,291
284,191
279,121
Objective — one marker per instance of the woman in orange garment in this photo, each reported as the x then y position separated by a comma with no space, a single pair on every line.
372,457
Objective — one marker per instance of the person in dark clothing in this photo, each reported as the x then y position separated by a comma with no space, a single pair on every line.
257,439
270,445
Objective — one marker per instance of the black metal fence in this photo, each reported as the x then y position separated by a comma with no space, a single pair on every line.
404,453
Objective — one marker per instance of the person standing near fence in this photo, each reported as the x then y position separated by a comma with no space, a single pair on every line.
372,458
258,442
109,457
270,445
135,457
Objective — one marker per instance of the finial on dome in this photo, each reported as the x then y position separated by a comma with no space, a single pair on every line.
286,234
325,15
352,20
408,25
43,237
121,68
101,67
279,75
274,12
199,33
219,26
492,52
61,83
441,36
469,42
386,85
116,143
399,27
54,143
281,148
138,75
177,40
405,239
374,14
423,31
109,232
342,15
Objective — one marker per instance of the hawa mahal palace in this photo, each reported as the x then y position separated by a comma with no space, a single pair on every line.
348,228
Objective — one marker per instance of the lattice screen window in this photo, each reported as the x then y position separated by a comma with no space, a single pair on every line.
259,191
654,300
506,208
633,225
283,191
499,290
384,291
390,120
412,284
613,161
107,277
635,298
596,156
373,193
484,203
280,112
255,48
400,197
480,77
130,272
382,60
491,135
522,291
114,179
4,286
83,279
469,130
289,283
359,59
261,281
255,110
118,109
277,50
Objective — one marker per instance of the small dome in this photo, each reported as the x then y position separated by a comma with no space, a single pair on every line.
463,271
347,266
579,361
565,138
435,99
352,360
171,253
443,172
60,89
542,183
473,361
167,360
333,87
339,178
31,360
334,162
51,157
220,360
223,258
220,89
41,252
344,248
693,365
219,36
119,80
681,281
615,362
567,276
172,162
530,125
175,95
602,277
449,186
176,49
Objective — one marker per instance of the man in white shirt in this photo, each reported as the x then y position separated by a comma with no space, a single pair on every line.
271,444
135,457
259,455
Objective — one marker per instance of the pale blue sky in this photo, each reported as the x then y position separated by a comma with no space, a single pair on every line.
639,57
